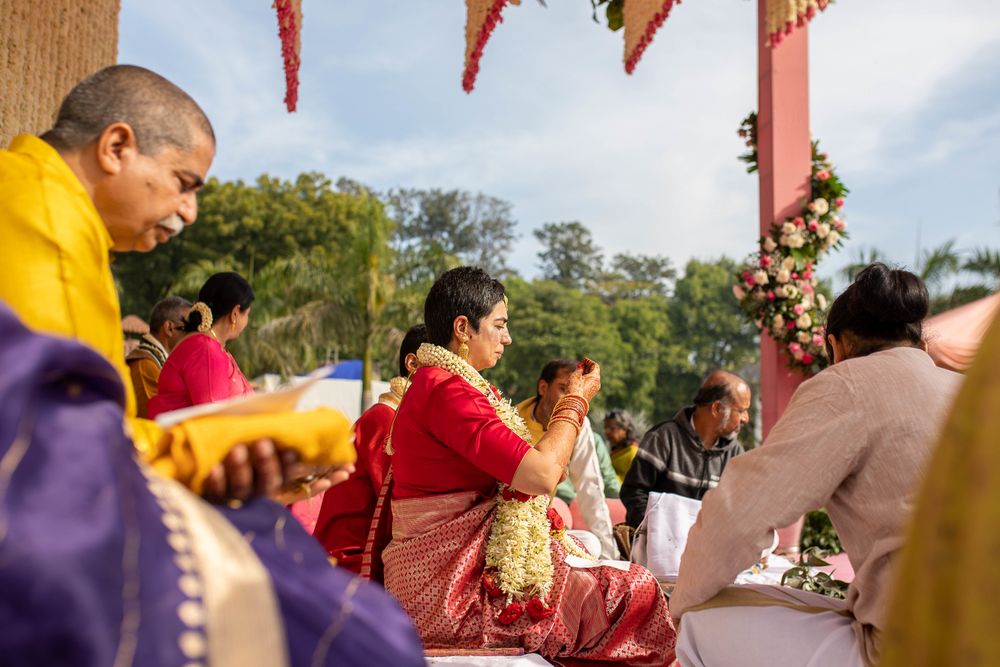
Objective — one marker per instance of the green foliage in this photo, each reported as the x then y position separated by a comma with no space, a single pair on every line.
569,255
818,533
613,12
340,272
804,578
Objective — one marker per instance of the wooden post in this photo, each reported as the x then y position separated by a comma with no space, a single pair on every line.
785,161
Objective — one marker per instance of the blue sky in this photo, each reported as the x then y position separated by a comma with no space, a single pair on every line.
905,97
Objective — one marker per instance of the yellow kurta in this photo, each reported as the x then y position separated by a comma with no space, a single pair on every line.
54,250
56,258
145,379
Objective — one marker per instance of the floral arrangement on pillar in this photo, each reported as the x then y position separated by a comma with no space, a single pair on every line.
777,285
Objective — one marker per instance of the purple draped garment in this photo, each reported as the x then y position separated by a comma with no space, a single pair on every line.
87,576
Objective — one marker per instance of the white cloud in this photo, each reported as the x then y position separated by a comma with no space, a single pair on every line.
648,162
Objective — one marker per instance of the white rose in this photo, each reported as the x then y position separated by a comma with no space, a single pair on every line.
789,291
783,240
804,321
823,231
779,321
821,301
821,206
804,337
788,228
788,263
806,302
769,245
783,276
795,240
833,237
739,292
760,277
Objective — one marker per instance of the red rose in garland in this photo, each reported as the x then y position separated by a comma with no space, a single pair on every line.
537,609
491,585
555,520
511,613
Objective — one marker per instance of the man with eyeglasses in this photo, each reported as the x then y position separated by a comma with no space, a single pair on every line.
166,328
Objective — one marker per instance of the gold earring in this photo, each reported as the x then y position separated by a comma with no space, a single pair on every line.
463,348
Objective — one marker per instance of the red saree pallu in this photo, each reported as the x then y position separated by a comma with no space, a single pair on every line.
434,566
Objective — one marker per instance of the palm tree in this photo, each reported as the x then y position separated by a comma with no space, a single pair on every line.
862,258
985,263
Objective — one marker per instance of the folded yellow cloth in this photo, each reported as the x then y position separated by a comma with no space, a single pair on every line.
188,451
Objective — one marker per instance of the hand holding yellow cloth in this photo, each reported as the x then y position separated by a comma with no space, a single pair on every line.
187,452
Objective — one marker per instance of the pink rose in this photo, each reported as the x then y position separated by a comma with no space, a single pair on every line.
839,202
812,206
794,347
795,276
798,309
807,275
839,224
807,358
748,278
798,221
823,175
770,295
765,260
817,340
790,325
813,225
806,288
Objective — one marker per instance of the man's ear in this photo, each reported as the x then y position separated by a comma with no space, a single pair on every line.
541,387
117,146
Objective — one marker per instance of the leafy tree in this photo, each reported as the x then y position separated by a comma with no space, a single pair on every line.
550,321
439,229
569,255
984,263
644,327
240,226
708,332
638,276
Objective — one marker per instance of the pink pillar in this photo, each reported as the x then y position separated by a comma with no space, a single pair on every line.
783,151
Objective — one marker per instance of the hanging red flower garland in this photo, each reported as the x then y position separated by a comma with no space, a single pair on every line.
290,32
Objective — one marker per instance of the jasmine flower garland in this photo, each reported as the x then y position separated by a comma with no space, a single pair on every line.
518,550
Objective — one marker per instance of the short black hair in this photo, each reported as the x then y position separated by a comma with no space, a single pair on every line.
165,310
414,338
159,113
221,293
465,290
881,307
552,369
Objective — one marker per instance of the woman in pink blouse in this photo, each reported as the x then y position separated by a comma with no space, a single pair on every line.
200,370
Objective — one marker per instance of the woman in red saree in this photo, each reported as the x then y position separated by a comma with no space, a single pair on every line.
475,558
200,369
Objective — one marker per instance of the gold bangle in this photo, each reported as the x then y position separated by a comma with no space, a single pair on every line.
568,420
575,400
568,413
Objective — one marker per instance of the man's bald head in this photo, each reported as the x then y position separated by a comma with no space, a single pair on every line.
720,386
159,113
724,401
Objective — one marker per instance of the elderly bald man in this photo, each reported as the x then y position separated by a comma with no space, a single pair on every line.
687,454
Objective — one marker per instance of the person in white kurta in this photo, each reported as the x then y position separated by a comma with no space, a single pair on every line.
583,470
856,439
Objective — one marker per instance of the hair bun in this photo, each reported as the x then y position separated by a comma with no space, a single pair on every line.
891,296
200,317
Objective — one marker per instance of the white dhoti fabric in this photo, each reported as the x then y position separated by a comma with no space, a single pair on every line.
819,634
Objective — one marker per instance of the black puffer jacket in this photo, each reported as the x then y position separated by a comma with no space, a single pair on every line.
672,459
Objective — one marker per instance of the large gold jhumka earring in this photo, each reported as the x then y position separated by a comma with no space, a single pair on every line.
463,348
